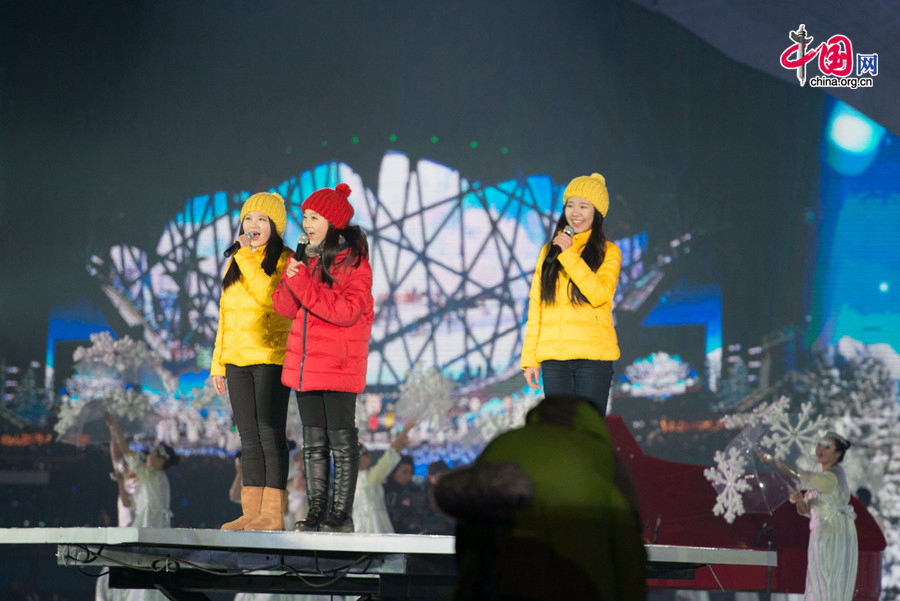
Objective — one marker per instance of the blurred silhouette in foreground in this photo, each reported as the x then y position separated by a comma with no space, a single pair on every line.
547,512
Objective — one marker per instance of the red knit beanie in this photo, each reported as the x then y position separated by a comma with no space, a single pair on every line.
332,205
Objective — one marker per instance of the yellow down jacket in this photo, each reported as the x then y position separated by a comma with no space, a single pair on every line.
250,331
564,330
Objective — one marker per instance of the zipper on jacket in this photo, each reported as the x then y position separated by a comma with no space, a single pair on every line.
303,356
305,317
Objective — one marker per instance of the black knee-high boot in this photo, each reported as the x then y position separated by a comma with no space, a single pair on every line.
317,463
345,449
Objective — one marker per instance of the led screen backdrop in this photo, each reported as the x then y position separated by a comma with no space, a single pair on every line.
452,263
453,260
756,218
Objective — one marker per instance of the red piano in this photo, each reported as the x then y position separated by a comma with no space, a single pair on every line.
676,506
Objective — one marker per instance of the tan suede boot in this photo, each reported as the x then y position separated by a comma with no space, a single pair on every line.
251,497
270,516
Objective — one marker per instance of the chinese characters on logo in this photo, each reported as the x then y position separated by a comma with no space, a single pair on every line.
835,61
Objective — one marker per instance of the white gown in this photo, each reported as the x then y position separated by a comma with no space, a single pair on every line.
102,592
833,552
151,497
150,509
369,511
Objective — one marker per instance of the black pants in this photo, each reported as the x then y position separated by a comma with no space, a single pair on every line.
259,402
586,378
327,409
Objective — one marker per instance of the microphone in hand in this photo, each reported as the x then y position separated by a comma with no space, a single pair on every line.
302,241
237,245
555,250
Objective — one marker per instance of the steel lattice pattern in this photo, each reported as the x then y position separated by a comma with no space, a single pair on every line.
452,262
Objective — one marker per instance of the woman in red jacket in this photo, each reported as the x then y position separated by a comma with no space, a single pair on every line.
327,291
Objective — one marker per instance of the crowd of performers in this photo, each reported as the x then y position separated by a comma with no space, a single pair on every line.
546,511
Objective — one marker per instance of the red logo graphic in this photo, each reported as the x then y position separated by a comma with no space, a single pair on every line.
835,58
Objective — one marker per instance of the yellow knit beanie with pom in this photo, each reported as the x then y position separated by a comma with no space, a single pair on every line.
592,188
269,204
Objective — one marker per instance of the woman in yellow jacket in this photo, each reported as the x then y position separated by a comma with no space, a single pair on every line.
248,356
570,339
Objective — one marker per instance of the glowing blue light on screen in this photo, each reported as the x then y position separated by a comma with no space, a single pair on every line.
853,140
860,216
852,131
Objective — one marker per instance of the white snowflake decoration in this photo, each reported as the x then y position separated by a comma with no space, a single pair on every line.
740,420
794,438
790,438
425,393
729,477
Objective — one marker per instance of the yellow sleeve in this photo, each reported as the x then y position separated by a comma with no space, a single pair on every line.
599,287
533,325
216,368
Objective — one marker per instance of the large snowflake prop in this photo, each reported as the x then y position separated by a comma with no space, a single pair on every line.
425,395
729,477
789,437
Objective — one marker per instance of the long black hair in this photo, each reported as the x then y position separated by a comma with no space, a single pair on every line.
350,238
273,252
593,253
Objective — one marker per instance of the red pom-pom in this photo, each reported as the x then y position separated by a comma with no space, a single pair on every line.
343,190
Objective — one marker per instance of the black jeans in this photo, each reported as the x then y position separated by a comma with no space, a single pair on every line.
586,378
259,402
327,409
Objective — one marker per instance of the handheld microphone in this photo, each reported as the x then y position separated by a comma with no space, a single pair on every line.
302,241
555,250
237,245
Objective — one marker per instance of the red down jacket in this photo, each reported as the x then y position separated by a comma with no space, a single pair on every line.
328,347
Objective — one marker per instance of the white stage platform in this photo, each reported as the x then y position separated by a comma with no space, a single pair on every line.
186,563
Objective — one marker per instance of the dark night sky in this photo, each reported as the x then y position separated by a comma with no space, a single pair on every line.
114,113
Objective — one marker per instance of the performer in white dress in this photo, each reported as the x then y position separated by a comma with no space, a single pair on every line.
369,511
825,498
833,549
151,496
126,483
150,499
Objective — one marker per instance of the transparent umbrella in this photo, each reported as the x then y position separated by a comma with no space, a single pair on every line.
768,486
744,478
745,475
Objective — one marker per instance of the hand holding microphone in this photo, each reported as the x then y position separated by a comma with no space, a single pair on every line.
560,243
299,256
237,243
302,242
